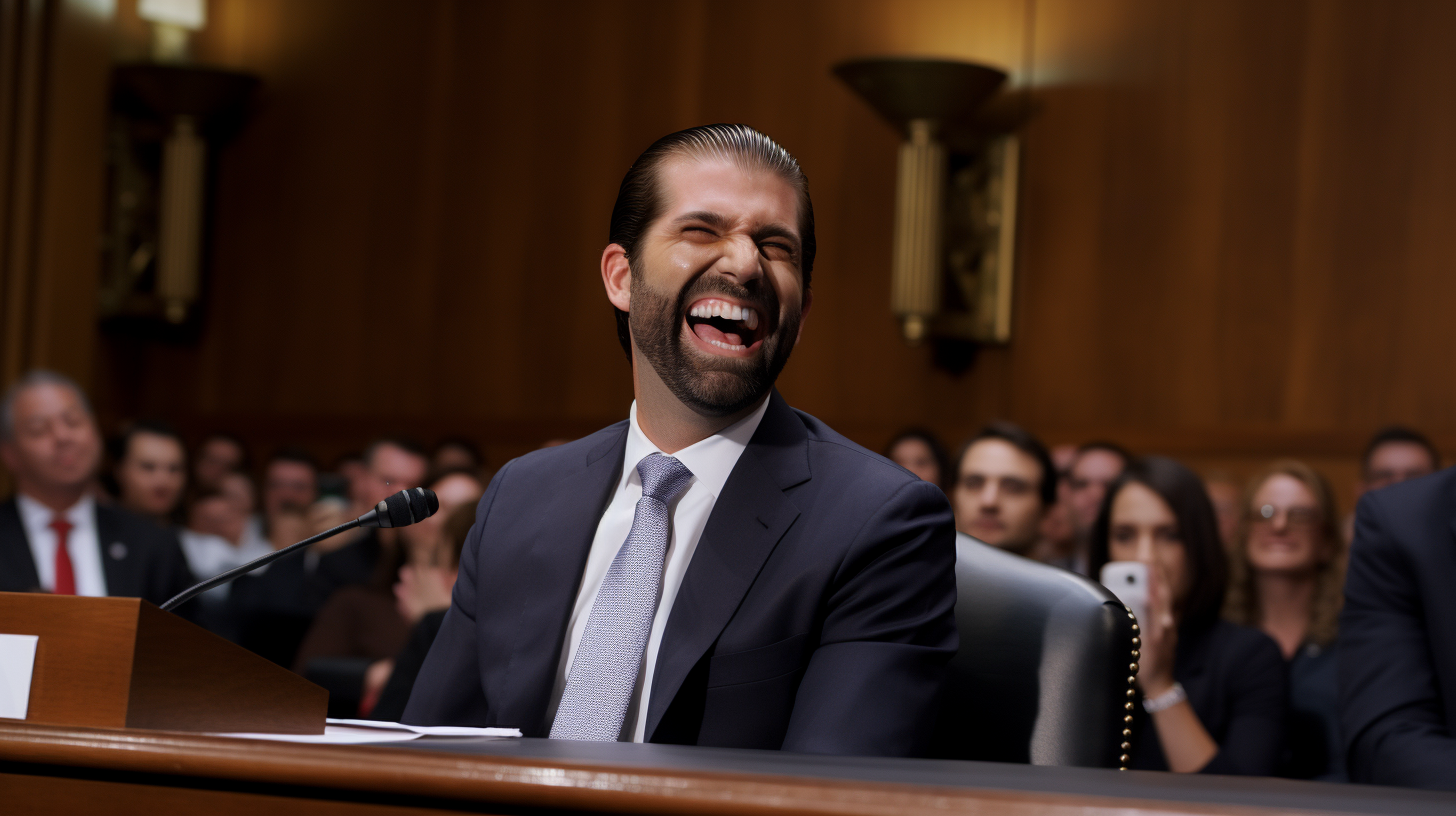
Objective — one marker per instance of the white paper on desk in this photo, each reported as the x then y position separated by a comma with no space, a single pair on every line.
429,730
333,735
17,663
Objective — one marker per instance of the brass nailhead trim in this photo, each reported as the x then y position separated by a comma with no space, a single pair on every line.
1131,692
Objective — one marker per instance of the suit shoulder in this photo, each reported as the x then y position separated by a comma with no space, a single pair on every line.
1413,511
126,524
828,447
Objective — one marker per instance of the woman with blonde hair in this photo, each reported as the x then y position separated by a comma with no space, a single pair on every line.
1287,577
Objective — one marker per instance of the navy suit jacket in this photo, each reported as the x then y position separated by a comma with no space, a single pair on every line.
1397,658
816,614
138,558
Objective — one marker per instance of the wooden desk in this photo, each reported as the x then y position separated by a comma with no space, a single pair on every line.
67,770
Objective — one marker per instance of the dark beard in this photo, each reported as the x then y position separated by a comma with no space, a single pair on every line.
718,386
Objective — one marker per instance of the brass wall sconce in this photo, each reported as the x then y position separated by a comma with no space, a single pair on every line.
955,203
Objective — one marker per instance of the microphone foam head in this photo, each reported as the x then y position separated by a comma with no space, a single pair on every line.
407,507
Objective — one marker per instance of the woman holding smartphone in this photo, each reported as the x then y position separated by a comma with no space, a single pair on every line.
1212,693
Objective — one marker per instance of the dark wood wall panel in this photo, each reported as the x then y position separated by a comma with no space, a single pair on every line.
1234,222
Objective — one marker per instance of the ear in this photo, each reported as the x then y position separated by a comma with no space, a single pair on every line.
617,276
7,456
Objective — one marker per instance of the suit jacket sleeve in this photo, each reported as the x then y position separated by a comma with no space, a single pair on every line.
1258,689
872,684
1392,711
448,689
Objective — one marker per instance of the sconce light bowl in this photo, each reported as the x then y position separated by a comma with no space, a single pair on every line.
904,89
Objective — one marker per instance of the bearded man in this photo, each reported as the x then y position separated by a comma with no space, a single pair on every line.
719,569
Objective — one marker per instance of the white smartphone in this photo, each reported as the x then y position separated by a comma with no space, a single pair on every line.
1128,580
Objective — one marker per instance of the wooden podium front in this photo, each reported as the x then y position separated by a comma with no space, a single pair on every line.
124,663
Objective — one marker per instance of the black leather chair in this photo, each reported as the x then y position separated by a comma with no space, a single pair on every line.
1045,665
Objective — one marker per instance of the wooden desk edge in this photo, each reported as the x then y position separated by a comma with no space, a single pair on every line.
538,782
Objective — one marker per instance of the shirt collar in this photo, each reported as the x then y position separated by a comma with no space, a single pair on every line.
39,515
711,460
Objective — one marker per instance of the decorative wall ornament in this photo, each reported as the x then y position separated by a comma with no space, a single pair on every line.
955,205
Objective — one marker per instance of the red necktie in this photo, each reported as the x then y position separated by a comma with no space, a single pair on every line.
65,576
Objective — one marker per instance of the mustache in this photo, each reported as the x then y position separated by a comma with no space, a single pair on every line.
761,297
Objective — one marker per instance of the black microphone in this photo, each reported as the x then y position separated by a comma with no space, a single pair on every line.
400,510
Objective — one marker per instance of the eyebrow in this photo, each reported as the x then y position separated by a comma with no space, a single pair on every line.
720,221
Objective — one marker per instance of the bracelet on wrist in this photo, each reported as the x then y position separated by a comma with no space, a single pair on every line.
1173,696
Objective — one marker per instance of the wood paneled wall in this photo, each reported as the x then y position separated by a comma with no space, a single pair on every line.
1233,230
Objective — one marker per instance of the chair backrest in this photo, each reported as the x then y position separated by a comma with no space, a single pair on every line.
1043,671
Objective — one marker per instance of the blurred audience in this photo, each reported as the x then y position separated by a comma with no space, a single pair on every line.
215,540
365,623
1057,540
1005,483
1268,688
920,452
1287,577
1227,496
54,536
457,454
218,455
151,472
1213,693
397,675
1096,465
1394,454
1397,656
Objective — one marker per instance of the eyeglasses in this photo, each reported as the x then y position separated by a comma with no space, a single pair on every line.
1306,517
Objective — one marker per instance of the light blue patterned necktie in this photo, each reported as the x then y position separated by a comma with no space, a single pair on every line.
604,670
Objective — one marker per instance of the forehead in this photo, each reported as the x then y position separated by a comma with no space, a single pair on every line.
289,467
1281,487
749,195
1098,462
154,444
1400,454
1137,501
1000,458
46,398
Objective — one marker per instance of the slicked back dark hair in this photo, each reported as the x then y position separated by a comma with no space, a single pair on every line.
1024,441
1398,433
1204,555
121,446
639,199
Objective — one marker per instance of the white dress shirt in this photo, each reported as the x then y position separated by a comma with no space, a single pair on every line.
82,544
209,555
710,461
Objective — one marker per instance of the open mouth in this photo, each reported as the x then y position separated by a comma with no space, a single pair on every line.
726,326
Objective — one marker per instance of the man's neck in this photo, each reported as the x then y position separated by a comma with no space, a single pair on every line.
666,421
55,499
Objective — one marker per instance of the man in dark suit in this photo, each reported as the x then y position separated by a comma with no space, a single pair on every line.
719,569
54,537
1397,657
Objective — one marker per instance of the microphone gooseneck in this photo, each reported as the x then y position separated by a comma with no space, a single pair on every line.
400,510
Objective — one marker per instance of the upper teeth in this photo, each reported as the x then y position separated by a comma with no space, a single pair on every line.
727,311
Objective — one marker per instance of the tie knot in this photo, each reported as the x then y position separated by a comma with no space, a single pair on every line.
663,477
60,525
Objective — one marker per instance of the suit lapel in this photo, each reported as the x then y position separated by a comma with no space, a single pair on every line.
539,585
117,563
17,565
747,521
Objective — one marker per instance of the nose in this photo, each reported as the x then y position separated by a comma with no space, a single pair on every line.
1145,549
741,259
988,495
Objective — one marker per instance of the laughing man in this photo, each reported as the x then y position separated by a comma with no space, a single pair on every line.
719,568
